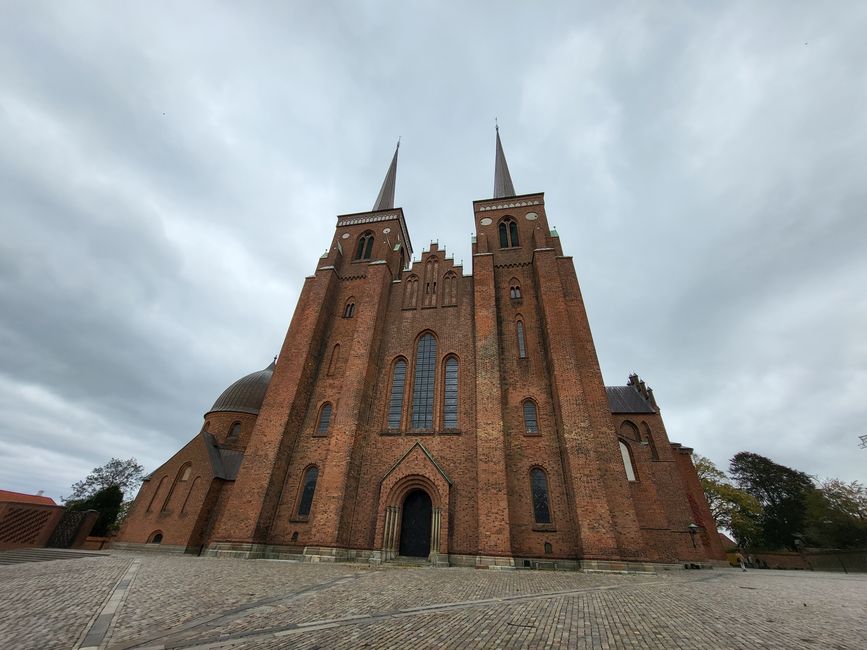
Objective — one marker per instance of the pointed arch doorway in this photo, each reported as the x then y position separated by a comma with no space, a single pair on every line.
415,525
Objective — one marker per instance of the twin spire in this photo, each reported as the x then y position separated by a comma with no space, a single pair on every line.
502,179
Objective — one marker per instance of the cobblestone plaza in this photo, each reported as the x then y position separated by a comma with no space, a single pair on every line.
131,600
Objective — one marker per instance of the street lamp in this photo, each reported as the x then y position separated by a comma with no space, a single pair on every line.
693,529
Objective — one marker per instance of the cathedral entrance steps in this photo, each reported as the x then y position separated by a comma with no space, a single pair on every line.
20,555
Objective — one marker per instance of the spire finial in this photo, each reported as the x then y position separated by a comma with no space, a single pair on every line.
385,200
502,179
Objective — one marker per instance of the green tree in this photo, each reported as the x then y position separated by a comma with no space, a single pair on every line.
100,489
125,474
734,509
108,502
836,515
782,492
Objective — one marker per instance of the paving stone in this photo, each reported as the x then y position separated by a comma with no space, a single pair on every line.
188,602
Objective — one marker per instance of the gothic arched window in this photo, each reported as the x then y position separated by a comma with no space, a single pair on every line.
450,288
411,294
324,418
308,487
364,248
627,462
431,273
539,489
654,454
522,344
629,431
508,233
335,359
450,394
531,418
349,309
423,383
395,401
514,289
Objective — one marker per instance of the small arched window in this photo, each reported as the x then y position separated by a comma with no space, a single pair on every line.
522,343
450,394
364,248
424,382
234,431
185,472
514,290
548,548
539,489
395,400
627,462
531,418
324,418
508,233
156,537
349,309
308,487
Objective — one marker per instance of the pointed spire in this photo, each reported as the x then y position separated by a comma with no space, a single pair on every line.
502,180
385,200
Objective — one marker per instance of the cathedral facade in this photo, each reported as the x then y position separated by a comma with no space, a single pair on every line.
417,411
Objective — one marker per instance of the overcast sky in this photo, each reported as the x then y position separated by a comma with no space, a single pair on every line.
170,172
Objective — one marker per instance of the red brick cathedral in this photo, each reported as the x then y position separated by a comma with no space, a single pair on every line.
419,412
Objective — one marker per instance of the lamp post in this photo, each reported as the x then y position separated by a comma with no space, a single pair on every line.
693,529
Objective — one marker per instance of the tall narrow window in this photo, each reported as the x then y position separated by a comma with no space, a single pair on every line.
411,295
627,462
234,431
395,401
531,419
364,248
349,309
308,487
450,395
324,418
156,492
450,288
508,233
515,291
539,487
522,344
654,454
424,382
335,359
431,273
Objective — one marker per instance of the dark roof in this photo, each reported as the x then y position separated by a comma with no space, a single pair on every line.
625,399
502,179
385,200
224,462
246,394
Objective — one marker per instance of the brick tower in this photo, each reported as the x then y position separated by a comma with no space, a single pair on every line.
415,411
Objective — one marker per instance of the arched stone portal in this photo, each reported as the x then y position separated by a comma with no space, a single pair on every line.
415,525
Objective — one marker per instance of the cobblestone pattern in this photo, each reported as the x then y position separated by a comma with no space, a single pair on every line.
47,605
185,602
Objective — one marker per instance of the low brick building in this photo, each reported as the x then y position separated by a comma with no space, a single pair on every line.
416,410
